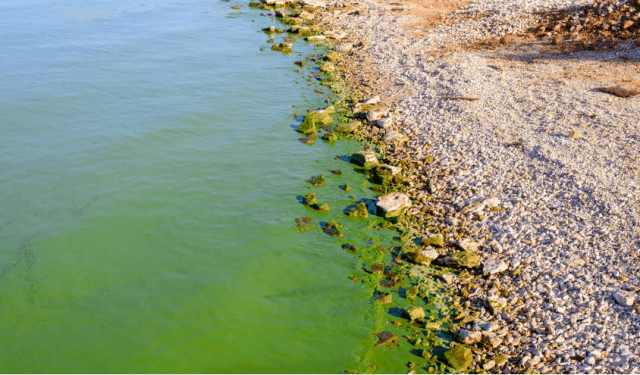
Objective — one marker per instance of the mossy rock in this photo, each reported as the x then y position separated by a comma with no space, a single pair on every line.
305,31
310,199
322,207
364,158
345,187
347,128
290,39
500,359
435,240
328,67
317,181
255,5
357,210
314,119
333,228
269,30
459,357
300,63
414,312
289,21
330,137
332,57
462,259
282,47
237,7
304,224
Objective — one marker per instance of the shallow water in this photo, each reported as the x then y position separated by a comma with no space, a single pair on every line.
148,183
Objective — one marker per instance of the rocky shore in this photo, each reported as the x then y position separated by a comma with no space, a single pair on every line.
514,128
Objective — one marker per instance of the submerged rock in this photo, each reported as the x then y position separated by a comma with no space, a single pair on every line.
364,158
459,357
316,38
317,181
330,137
357,210
304,224
332,228
385,337
314,119
282,47
392,204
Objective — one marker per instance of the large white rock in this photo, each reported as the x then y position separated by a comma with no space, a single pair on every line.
392,204
624,298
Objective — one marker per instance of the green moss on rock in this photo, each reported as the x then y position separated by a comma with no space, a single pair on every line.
459,357
357,210
317,181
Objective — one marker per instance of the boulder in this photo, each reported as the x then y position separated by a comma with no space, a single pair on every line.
364,158
468,245
624,298
392,204
491,266
375,114
330,137
313,120
328,67
332,228
423,257
384,122
435,240
282,47
459,357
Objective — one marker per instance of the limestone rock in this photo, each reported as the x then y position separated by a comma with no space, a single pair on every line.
394,136
328,67
461,259
489,365
467,337
375,114
424,257
624,90
468,245
392,204
372,100
384,122
624,298
449,278
496,304
460,357
491,267
414,312
435,240
364,158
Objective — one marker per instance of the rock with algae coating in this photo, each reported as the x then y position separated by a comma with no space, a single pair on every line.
317,181
304,224
357,210
364,158
314,119
459,357
332,229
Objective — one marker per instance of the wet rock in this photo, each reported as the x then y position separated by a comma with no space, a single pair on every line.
435,240
304,224
322,207
282,47
491,267
468,245
316,38
317,181
461,259
347,128
364,158
345,187
357,210
310,199
414,312
337,172
624,298
333,57
314,119
333,228
385,337
375,268
330,137
459,357
467,337
392,204
423,257
300,63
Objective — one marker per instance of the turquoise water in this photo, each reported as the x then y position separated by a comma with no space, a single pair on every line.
148,183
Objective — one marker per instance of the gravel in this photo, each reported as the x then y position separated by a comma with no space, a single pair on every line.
524,126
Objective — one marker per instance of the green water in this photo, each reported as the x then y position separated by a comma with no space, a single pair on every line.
148,183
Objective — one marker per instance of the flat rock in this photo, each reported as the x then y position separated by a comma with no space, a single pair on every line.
624,90
392,204
414,312
491,266
314,3
468,245
376,114
364,158
624,298
316,38
347,128
372,100
461,259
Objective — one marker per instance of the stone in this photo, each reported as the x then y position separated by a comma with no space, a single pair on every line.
459,357
317,180
461,259
435,240
624,298
372,100
385,337
449,278
314,119
385,299
316,38
304,224
467,337
501,359
364,158
496,304
344,48
282,47
314,3
627,24
495,246
491,267
306,15
328,67
332,229
357,210
590,360
330,137
489,365
574,134
310,199
423,257
392,204
395,136
347,128
488,326
384,122
491,340
414,312
623,90
333,57
376,114
468,245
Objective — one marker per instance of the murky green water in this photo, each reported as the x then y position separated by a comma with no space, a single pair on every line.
148,184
